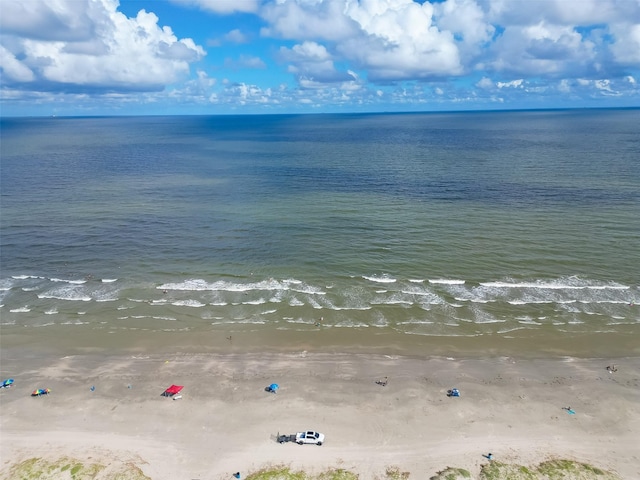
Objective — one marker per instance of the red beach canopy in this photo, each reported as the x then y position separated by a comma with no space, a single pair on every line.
173,389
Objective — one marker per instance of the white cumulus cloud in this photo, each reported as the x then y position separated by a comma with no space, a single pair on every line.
322,52
14,70
312,64
626,49
90,45
391,39
398,40
221,6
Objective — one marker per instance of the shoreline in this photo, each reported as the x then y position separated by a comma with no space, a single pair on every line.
85,339
226,422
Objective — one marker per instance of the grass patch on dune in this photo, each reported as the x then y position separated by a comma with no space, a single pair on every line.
277,473
566,470
338,474
394,473
452,474
285,473
70,469
551,470
499,471
64,468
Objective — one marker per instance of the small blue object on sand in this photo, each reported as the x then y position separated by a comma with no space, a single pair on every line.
7,383
571,412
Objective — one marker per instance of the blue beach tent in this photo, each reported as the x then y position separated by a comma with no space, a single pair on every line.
273,388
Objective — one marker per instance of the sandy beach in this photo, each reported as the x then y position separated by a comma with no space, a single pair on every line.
226,421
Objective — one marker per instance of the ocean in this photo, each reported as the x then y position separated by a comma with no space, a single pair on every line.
372,229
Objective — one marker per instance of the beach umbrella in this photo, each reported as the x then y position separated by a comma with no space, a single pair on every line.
274,387
40,391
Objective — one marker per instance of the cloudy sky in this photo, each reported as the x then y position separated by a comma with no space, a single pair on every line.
93,57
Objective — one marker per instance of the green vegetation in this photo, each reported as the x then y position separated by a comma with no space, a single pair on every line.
70,469
502,471
551,470
65,468
338,474
285,473
565,470
277,473
394,473
452,474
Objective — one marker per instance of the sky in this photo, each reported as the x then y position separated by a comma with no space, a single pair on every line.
176,57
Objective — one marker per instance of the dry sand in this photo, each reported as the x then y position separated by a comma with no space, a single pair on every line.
226,422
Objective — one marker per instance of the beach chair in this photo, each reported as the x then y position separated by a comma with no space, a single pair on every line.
7,383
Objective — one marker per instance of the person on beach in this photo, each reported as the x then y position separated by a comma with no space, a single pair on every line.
236,475
488,456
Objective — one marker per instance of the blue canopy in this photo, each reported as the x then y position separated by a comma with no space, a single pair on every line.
7,383
274,386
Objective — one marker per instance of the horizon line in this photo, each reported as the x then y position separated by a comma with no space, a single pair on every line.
372,112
